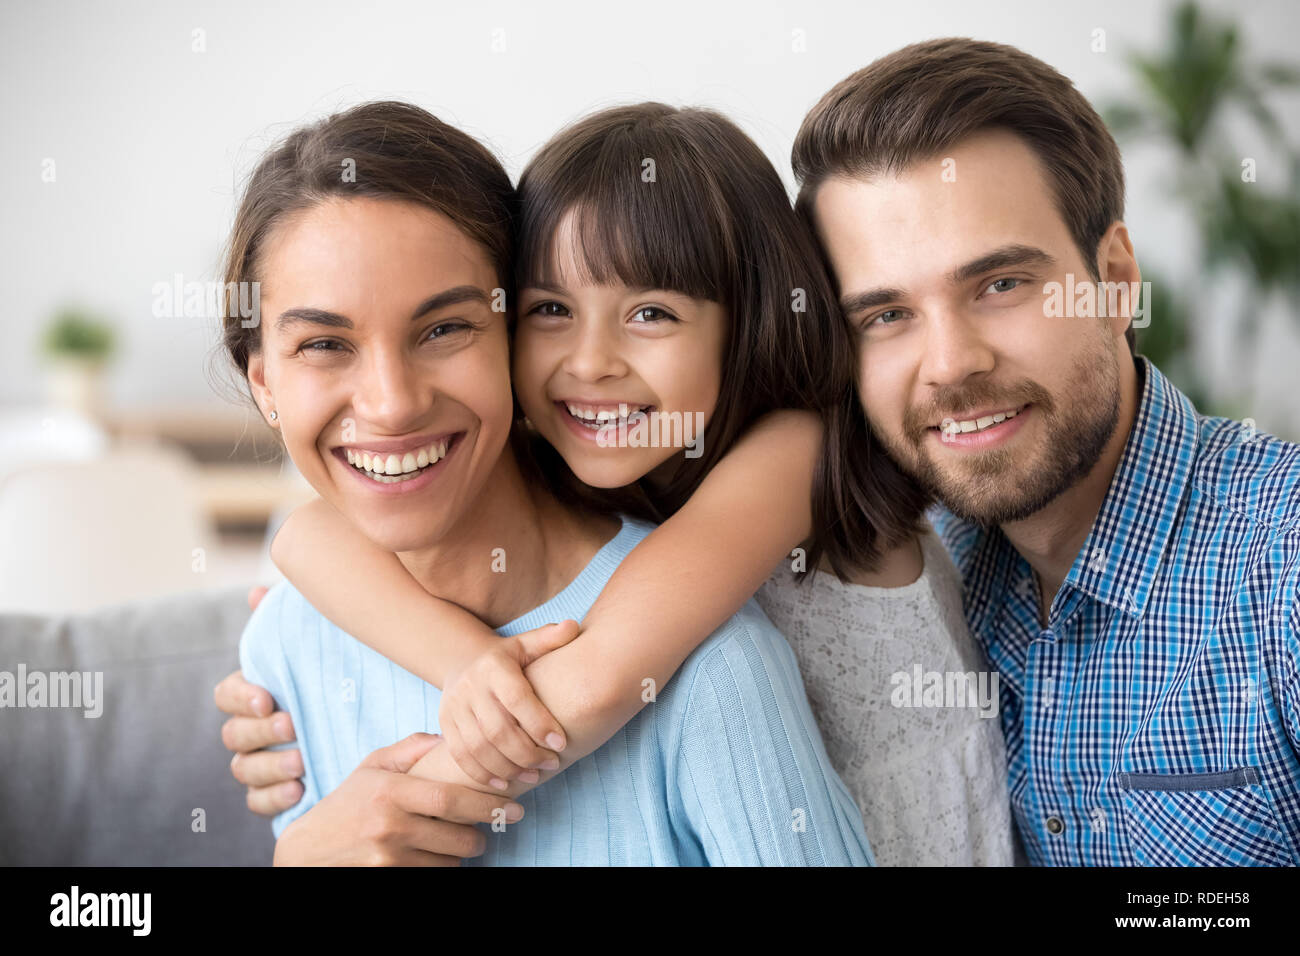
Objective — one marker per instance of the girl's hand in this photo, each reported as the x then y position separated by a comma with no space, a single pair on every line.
492,722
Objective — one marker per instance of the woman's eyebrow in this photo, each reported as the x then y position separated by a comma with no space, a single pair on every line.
456,295
453,296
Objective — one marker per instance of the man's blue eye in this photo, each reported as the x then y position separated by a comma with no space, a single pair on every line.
1003,285
889,316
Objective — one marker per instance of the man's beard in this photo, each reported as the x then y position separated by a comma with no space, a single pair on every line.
1002,485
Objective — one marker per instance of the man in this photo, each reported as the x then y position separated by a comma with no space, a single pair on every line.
1130,566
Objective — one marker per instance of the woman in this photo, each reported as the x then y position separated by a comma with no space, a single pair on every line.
711,232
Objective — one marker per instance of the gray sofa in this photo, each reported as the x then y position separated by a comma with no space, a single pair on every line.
123,788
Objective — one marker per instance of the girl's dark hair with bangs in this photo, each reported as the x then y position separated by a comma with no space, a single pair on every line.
682,199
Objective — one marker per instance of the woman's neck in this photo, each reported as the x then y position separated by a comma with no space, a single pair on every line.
513,549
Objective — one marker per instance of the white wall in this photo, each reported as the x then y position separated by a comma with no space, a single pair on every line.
150,138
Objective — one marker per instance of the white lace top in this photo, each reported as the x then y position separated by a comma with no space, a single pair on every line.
930,780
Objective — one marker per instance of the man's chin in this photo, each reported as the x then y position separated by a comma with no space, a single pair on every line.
1010,494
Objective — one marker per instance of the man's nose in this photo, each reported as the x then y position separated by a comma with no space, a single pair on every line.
955,349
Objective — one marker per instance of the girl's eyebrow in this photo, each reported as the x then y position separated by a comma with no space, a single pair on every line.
453,296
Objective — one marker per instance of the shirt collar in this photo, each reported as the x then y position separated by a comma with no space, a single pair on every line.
1121,556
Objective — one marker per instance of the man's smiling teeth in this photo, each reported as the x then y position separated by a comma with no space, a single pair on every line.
380,466
951,427
596,418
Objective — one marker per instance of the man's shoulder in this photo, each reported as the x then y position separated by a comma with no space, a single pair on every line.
1248,471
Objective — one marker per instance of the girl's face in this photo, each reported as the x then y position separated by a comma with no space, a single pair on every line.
386,364
590,360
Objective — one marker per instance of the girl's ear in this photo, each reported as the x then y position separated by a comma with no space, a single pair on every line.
257,383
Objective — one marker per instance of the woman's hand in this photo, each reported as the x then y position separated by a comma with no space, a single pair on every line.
271,776
494,725
381,816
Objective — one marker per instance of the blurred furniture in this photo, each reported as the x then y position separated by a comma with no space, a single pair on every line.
77,535
148,781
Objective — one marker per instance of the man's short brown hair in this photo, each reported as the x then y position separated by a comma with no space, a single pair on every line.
918,101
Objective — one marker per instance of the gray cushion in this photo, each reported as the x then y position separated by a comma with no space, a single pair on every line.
121,789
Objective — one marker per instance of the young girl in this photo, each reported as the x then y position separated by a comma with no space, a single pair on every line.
678,356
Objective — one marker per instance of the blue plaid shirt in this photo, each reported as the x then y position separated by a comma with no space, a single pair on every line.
1155,720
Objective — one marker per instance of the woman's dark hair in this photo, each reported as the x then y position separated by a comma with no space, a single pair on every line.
682,199
380,150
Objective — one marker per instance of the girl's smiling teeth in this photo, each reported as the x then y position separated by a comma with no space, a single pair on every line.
392,467
598,415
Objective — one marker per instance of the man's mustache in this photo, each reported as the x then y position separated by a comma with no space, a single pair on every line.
951,402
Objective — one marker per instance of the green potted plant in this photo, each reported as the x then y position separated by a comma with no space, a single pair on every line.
77,347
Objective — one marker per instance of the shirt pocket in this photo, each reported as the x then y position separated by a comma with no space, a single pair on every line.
1201,819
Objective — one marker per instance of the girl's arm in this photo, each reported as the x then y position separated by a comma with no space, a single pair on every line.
368,592
673,590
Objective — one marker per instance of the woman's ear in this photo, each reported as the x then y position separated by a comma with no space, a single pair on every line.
261,393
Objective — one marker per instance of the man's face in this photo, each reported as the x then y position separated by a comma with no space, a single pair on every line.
973,385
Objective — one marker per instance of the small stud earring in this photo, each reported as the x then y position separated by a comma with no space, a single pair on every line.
274,415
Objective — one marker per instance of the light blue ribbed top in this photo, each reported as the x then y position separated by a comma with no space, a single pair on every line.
725,767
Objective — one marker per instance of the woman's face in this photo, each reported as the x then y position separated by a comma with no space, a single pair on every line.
386,364
590,360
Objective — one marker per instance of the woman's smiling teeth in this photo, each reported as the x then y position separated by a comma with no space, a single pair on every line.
391,468
603,416
952,427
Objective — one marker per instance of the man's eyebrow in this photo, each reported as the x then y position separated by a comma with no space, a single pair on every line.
859,301
1002,258
453,296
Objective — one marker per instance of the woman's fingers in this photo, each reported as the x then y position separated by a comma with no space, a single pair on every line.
239,698
269,801
265,768
246,734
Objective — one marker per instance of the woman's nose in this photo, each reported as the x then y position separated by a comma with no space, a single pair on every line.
391,394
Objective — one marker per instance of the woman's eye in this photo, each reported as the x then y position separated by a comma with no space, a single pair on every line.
320,345
652,313
445,329
1002,285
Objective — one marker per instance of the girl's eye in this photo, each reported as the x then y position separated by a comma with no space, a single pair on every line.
651,314
1002,285
553,309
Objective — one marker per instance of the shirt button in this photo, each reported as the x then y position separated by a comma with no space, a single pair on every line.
1055,825
1047,634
